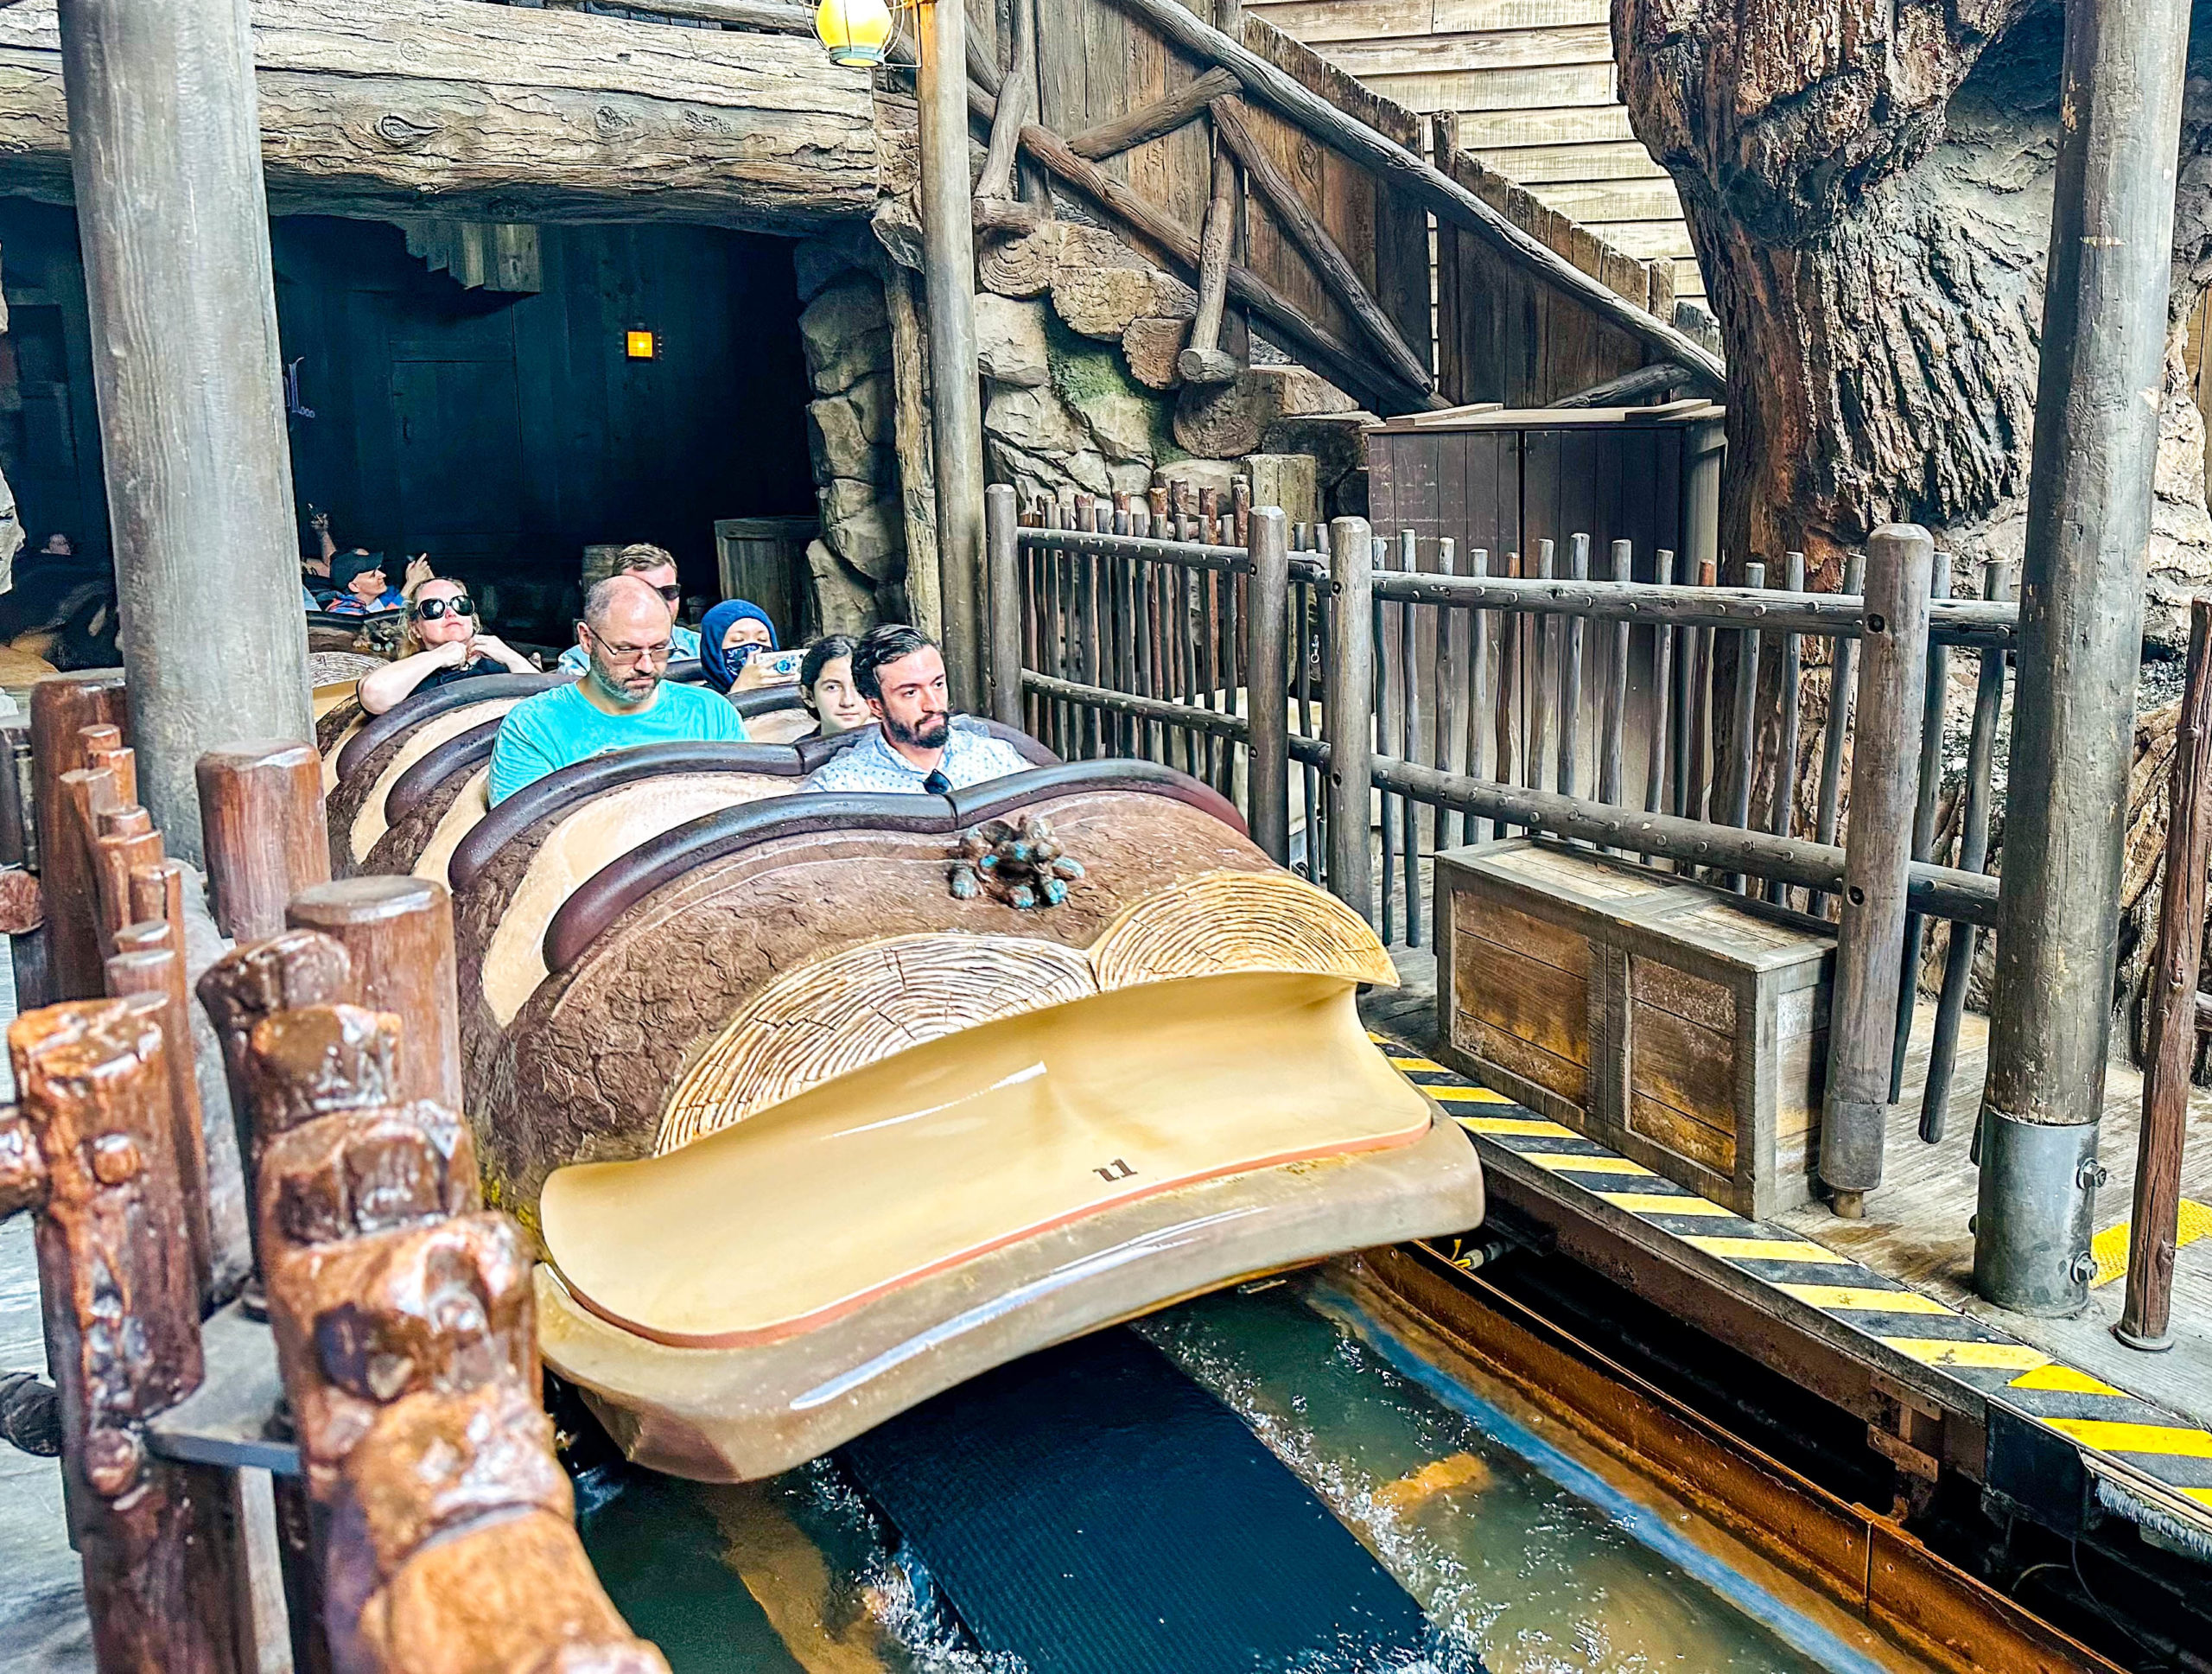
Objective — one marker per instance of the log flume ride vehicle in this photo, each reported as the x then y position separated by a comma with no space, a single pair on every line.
818,1104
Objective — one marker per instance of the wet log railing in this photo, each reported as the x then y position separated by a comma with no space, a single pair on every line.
421,1519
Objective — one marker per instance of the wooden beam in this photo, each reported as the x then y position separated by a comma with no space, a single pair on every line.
949,286
1162,116
1017,105
1329,262
182,307
1628,387
500,113
2095,449
1202,362
1398,168
2146,1317
1339,361
771,16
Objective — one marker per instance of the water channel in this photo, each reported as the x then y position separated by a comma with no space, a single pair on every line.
1531,1552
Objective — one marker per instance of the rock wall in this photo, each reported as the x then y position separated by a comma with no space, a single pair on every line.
859,563
1076,339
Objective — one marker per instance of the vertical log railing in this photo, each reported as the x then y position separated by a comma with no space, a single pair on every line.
1121,641
2146,1316
1423,657
363,1185
1871,933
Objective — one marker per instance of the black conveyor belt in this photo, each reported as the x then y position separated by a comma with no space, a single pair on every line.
1092,1510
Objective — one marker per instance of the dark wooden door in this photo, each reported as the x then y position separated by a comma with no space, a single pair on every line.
459,454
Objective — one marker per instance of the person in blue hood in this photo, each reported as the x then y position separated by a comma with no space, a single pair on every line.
731,632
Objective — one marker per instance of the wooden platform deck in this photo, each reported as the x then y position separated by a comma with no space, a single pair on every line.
1916,1230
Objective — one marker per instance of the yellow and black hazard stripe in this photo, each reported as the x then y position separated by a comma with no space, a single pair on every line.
1892,1318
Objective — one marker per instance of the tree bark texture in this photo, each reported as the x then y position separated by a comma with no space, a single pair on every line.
496,113
1869,192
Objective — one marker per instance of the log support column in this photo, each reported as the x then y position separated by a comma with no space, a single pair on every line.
957,408
166,153
2096,435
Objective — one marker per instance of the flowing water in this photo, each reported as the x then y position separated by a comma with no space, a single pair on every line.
1524,1548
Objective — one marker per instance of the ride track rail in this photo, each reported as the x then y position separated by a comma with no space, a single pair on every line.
2057,1435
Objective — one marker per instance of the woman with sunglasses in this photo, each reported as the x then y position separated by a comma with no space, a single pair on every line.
444,642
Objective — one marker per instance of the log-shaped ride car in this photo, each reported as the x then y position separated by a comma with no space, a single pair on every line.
819,1104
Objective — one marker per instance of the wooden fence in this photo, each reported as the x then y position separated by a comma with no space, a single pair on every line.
1465,694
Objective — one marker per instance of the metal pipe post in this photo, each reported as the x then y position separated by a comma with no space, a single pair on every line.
1878,863
2096,436
1266,683
165,149
1348,714
956,404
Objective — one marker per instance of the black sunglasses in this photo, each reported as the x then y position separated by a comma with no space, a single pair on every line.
429,610
673,592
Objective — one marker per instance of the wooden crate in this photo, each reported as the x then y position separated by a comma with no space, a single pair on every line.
1681,1025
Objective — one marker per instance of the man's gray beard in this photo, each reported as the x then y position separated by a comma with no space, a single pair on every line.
615,689
901,734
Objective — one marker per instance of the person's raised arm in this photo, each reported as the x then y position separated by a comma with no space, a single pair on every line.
382,689
492,645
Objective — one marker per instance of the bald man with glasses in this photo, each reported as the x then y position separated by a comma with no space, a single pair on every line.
622,702
656,568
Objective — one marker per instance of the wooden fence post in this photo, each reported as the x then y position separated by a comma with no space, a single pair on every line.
397,932
261,816
147,960
1348,723
159,1540
61,706
1267,682
2146,1316
1002,601
1878,860
405,1330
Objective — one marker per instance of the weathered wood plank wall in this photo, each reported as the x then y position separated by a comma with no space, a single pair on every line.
1096,62
1502,333
1534,85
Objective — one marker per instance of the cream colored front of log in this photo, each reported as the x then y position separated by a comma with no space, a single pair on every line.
791,1218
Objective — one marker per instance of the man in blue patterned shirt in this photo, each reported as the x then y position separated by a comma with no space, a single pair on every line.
919,744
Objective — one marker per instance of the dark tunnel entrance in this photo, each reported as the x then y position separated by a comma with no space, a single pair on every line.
479,393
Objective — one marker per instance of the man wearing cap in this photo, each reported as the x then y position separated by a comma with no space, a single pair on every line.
362,584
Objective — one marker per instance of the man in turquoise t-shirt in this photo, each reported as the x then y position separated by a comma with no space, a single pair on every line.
620,702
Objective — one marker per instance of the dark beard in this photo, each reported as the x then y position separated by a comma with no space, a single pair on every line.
930,735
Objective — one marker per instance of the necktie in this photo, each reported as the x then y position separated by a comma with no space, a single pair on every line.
937,784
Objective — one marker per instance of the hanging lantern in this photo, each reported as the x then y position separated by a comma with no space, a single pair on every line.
856,32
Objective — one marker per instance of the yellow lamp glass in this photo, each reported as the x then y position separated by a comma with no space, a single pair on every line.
856,32
638,345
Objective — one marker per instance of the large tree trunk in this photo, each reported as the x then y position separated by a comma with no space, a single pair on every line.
1869,190
1878,304
381,107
